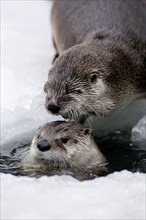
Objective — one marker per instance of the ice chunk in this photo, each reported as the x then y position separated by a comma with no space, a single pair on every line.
138,134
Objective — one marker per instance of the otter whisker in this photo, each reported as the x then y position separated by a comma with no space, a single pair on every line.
64,160
88,121
67,160
33,131
75,111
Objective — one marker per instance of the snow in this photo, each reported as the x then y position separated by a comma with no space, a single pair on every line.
27,54
118,196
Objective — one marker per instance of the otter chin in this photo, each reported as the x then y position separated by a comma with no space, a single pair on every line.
66,145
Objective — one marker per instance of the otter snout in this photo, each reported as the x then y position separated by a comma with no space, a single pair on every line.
53,108
43,145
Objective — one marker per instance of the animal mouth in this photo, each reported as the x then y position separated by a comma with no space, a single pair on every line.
79,119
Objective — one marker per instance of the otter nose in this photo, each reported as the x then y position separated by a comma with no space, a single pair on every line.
53,108
43,145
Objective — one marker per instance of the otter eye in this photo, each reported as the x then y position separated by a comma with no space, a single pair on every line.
93,77
79,91
69,90
64,140
38,136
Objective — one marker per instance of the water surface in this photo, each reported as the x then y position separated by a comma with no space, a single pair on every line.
117,148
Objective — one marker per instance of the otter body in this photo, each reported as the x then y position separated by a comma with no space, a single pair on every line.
102,57
73,21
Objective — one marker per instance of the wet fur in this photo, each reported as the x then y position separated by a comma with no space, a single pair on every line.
80,151
109,42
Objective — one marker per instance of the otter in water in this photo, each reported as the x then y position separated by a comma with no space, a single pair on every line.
102,57
66,145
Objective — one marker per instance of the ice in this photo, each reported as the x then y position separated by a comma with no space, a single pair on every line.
27,54
138,134
19,124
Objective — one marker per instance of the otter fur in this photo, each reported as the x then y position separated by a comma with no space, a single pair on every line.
102,57
66,145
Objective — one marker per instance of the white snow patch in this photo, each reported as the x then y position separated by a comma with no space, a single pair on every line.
117,196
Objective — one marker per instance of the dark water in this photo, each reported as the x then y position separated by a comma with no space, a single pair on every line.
117,148
121,153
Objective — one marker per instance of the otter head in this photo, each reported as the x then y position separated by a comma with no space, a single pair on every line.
76,86
65,144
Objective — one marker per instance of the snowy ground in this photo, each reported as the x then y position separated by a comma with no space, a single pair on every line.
118,196
27,54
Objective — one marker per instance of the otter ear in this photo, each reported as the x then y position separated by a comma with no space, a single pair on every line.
88,131
100,35
93,77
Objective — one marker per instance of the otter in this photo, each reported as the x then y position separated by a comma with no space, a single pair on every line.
66,145
101,65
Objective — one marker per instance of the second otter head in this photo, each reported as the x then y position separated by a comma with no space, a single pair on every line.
65,144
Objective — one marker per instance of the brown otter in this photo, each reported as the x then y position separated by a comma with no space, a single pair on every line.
102,57
64,145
